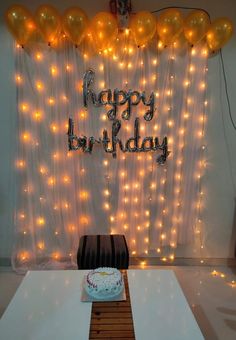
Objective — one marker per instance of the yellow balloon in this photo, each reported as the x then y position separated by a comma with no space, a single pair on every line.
219,33
169,25
104,30
20,23
49,22
196,25
75,24
143,27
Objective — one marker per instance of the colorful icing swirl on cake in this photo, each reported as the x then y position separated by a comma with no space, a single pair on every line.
104,283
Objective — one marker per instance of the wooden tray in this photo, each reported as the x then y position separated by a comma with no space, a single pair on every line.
112,320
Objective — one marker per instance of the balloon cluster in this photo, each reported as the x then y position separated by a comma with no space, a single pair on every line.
103,27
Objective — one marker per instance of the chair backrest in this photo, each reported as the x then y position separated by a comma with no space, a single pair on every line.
103,251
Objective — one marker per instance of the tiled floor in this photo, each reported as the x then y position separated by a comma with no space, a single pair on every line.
211,296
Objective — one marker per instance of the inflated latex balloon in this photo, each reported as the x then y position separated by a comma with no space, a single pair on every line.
104,30
169,25
49,22
196,25
20,23
75,24
143,27
219,33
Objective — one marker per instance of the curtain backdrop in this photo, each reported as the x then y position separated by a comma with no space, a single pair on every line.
61,194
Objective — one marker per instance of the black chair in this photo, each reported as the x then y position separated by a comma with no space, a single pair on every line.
103,251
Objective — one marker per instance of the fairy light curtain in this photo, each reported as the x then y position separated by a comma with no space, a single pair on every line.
62,195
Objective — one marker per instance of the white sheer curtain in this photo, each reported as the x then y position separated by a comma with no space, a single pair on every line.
62,195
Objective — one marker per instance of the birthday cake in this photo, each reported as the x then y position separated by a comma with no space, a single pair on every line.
104,283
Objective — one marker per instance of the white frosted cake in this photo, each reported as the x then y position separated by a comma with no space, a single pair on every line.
104,283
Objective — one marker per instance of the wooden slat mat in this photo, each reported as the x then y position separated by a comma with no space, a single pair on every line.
112,320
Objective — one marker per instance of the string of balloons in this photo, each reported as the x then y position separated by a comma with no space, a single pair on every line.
103,27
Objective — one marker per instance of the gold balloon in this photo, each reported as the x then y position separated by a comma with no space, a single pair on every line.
49,22
20,23
143,27
219,33
196,25
75,23
169,25
104,30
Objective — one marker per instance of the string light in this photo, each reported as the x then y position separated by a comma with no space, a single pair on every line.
39,86
131,190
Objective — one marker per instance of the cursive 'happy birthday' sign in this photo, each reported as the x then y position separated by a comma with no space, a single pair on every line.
115,99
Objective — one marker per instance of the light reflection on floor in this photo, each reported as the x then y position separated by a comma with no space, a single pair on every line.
210,291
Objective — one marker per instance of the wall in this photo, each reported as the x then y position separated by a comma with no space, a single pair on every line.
220,178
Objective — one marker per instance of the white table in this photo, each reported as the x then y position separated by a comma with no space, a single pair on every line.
159,308
47,306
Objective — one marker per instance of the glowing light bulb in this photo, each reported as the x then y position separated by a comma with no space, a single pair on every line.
26,137
54,127
24,256
191,68
126,200
42,170
126,186
37,116
40,221
51,181
68,67
202,85
186,83
66,179
121,65
154,61
163,236
153,186
105,162
123,174
106,192
41,245
24,107
106,206
64,98
186,115
39,56
51,101
53,70
83,195
20,164
18,79
39,86
56,255
83,114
